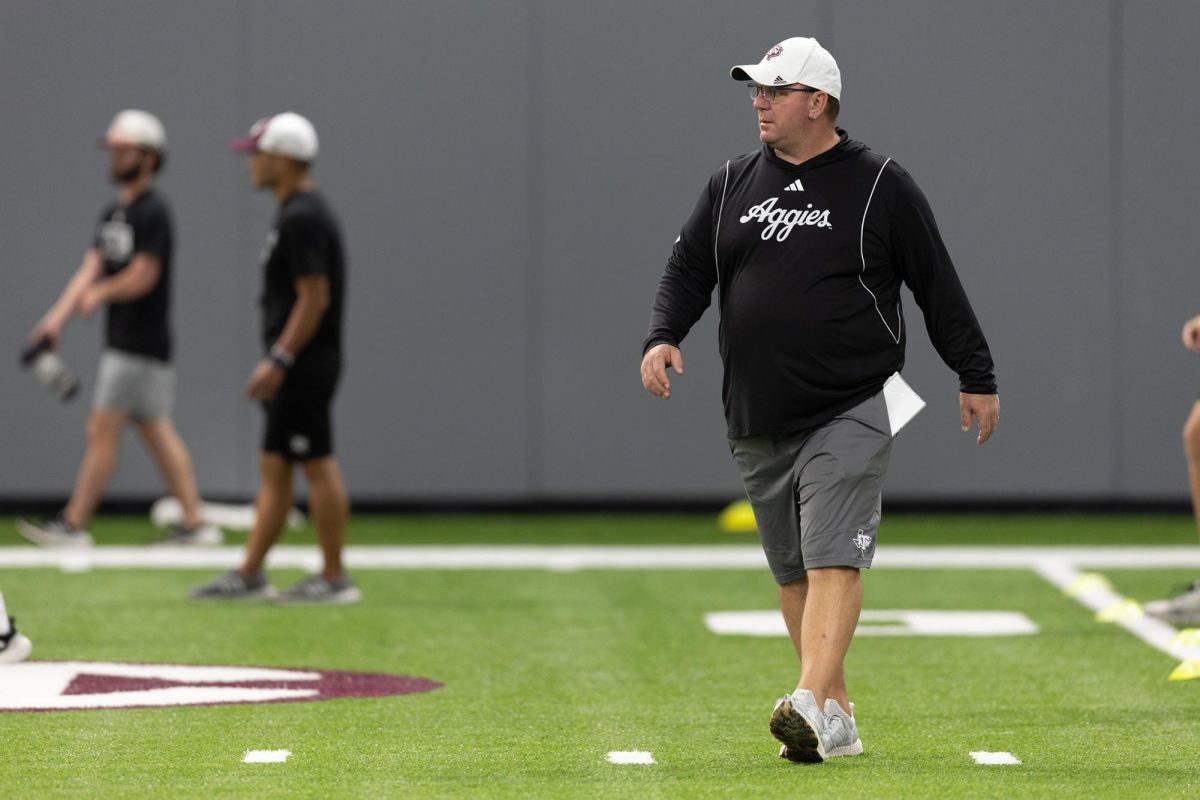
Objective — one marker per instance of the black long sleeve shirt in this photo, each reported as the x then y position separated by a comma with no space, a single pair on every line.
807,261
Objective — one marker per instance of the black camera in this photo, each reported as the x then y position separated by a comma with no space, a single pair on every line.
48,367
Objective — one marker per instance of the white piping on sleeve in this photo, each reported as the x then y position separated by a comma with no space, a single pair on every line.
716,236
899,319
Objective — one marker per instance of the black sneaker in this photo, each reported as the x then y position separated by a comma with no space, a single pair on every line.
315,590
233,586
203,535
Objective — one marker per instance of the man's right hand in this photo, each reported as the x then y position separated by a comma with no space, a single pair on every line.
48,330
1191,334
654,369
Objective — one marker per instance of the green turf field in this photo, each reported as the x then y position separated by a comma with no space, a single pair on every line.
545,673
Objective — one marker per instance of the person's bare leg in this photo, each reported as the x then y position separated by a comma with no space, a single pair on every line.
831,610
271,508
104,427
791,601
174,464
330,510
1191,448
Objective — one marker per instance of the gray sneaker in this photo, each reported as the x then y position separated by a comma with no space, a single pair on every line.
315,590
1182,610
841,734
233,586
203,535
55,532
14,646
800,725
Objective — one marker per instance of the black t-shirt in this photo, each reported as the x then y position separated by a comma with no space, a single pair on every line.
304,240
808,261
140,326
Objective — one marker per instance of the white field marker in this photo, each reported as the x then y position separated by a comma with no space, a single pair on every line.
76,562
570,557
630,757
1112,607
984,757
904,622
266,756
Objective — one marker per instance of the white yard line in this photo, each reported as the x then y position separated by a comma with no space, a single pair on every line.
1097,596
572,557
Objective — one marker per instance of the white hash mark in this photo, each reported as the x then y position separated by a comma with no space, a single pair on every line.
630,757
984,757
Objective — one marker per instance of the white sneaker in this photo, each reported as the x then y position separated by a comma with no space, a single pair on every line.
800,725
14,646
1181,610
841,734
53,532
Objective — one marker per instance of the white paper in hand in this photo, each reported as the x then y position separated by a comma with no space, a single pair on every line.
902,402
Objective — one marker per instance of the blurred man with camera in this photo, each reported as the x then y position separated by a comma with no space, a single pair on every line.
127,270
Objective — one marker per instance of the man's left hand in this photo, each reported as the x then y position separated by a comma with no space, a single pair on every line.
265,381
983,407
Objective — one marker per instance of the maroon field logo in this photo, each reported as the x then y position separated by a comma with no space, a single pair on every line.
75,685
774,51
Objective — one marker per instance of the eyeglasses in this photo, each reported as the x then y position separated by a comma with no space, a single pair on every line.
772,93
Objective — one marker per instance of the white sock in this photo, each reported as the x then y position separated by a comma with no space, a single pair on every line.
4,626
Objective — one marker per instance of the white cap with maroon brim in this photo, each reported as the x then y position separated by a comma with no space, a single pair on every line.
135,128
795,60
287,134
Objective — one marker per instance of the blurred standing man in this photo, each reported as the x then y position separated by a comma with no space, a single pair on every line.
1185,609
127,269
304,279
807,241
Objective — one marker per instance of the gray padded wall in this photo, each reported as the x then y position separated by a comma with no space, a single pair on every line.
511,175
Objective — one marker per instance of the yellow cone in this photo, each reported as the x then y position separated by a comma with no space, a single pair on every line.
737,517
1188,637
1187,670
1086,583
1122,610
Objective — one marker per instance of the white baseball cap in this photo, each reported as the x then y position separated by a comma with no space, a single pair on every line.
795,60
137,128
287,134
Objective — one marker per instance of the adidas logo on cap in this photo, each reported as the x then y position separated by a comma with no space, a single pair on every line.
779,79
795,186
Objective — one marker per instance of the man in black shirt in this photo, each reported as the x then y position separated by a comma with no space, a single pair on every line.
128,270
302,299
807,241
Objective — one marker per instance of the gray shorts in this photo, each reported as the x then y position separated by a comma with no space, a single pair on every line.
816,494
145,387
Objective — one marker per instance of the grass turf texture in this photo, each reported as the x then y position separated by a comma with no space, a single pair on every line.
547,672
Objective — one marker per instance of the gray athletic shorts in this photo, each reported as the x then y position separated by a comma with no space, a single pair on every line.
816,494
145,387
